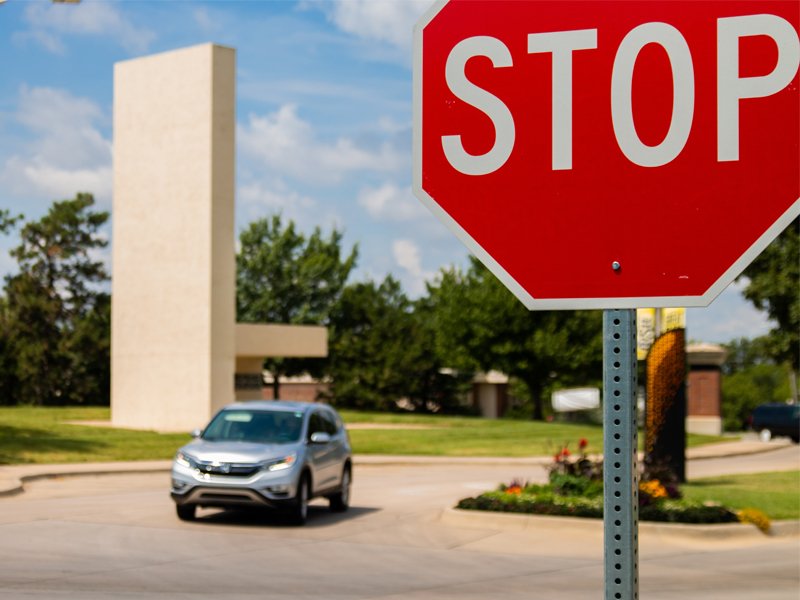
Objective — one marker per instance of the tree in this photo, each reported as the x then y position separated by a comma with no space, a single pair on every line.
774,286
282,276
55,319
7,222
382,349
481,325
747,388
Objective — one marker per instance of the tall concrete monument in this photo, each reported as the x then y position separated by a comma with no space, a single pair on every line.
174,331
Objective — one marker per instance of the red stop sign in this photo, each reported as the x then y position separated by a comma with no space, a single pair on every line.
609,154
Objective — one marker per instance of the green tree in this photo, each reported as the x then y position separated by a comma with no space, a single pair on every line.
744,354
774,286
8,365
745,389
55,317
282,276
7,222
482,326
382,349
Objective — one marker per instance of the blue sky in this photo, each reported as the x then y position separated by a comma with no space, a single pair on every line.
323,122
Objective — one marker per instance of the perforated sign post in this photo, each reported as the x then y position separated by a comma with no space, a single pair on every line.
610,155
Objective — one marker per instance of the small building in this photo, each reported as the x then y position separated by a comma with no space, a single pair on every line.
703,406
489,394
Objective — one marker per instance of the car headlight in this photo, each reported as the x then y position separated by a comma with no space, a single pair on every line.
278,464
185,460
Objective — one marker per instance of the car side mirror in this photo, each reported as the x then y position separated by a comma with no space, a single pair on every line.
320,437
196,433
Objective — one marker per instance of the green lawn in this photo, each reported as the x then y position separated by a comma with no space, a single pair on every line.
777,494
38,435
470,436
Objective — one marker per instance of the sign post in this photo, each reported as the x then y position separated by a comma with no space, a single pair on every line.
620,445
542,126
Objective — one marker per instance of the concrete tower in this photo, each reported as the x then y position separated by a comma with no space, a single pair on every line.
173,302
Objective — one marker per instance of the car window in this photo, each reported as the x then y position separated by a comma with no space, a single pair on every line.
273,427
330,424
315,424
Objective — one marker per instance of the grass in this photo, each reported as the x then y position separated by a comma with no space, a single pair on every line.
776,494
470,436
38,435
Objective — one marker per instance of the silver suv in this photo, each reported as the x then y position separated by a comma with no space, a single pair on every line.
265,454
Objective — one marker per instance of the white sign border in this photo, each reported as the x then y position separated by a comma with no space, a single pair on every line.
529,301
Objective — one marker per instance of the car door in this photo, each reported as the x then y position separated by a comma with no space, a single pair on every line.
338,447
321,455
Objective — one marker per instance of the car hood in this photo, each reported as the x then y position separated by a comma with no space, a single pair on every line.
236,452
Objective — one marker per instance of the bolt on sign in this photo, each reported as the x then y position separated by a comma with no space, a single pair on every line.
551,137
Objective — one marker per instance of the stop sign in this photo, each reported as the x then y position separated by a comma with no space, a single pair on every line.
610,154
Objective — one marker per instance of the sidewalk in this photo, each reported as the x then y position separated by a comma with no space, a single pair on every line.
13,477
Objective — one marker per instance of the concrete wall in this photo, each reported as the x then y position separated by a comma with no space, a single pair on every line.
173,310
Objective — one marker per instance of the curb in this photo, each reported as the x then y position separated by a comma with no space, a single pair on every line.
11,485
478,519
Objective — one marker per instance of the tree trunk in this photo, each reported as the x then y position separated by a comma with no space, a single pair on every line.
276,386
535,390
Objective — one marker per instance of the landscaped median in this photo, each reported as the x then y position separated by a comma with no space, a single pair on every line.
576,490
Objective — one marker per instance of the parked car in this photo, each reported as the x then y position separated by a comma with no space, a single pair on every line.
777,419
276,455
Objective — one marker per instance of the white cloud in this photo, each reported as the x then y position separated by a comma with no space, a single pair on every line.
388,21
69,155
48,22
289,145
407,256
391,203
275,198
729,316
205,21
265,196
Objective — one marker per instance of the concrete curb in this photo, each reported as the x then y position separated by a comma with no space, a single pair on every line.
479,519
13,478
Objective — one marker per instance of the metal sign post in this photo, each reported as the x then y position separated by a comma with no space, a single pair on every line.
620,441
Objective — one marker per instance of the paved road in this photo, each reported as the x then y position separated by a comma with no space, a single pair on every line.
117,537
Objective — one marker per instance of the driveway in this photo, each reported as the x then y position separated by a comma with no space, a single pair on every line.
117,536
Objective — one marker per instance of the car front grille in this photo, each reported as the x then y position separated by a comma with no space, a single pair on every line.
228,469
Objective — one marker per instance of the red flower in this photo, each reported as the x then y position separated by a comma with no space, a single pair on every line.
558,457
565,452
582,444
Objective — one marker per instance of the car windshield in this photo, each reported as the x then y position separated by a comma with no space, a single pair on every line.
271,427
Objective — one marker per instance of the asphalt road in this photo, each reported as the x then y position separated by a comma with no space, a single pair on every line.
117,536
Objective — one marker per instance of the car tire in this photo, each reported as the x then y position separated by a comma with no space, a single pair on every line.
186,512
765,435
340,501
299,512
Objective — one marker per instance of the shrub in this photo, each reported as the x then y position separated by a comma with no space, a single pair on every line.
756,517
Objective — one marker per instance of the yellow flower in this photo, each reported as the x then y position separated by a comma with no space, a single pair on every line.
754,516
653,488
514,489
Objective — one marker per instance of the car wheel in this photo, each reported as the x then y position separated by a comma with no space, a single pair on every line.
765,435
185,512
340,502
299,512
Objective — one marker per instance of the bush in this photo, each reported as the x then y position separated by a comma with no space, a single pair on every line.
581,496
756,517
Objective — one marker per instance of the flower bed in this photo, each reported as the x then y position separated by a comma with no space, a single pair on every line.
576,490
544,501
